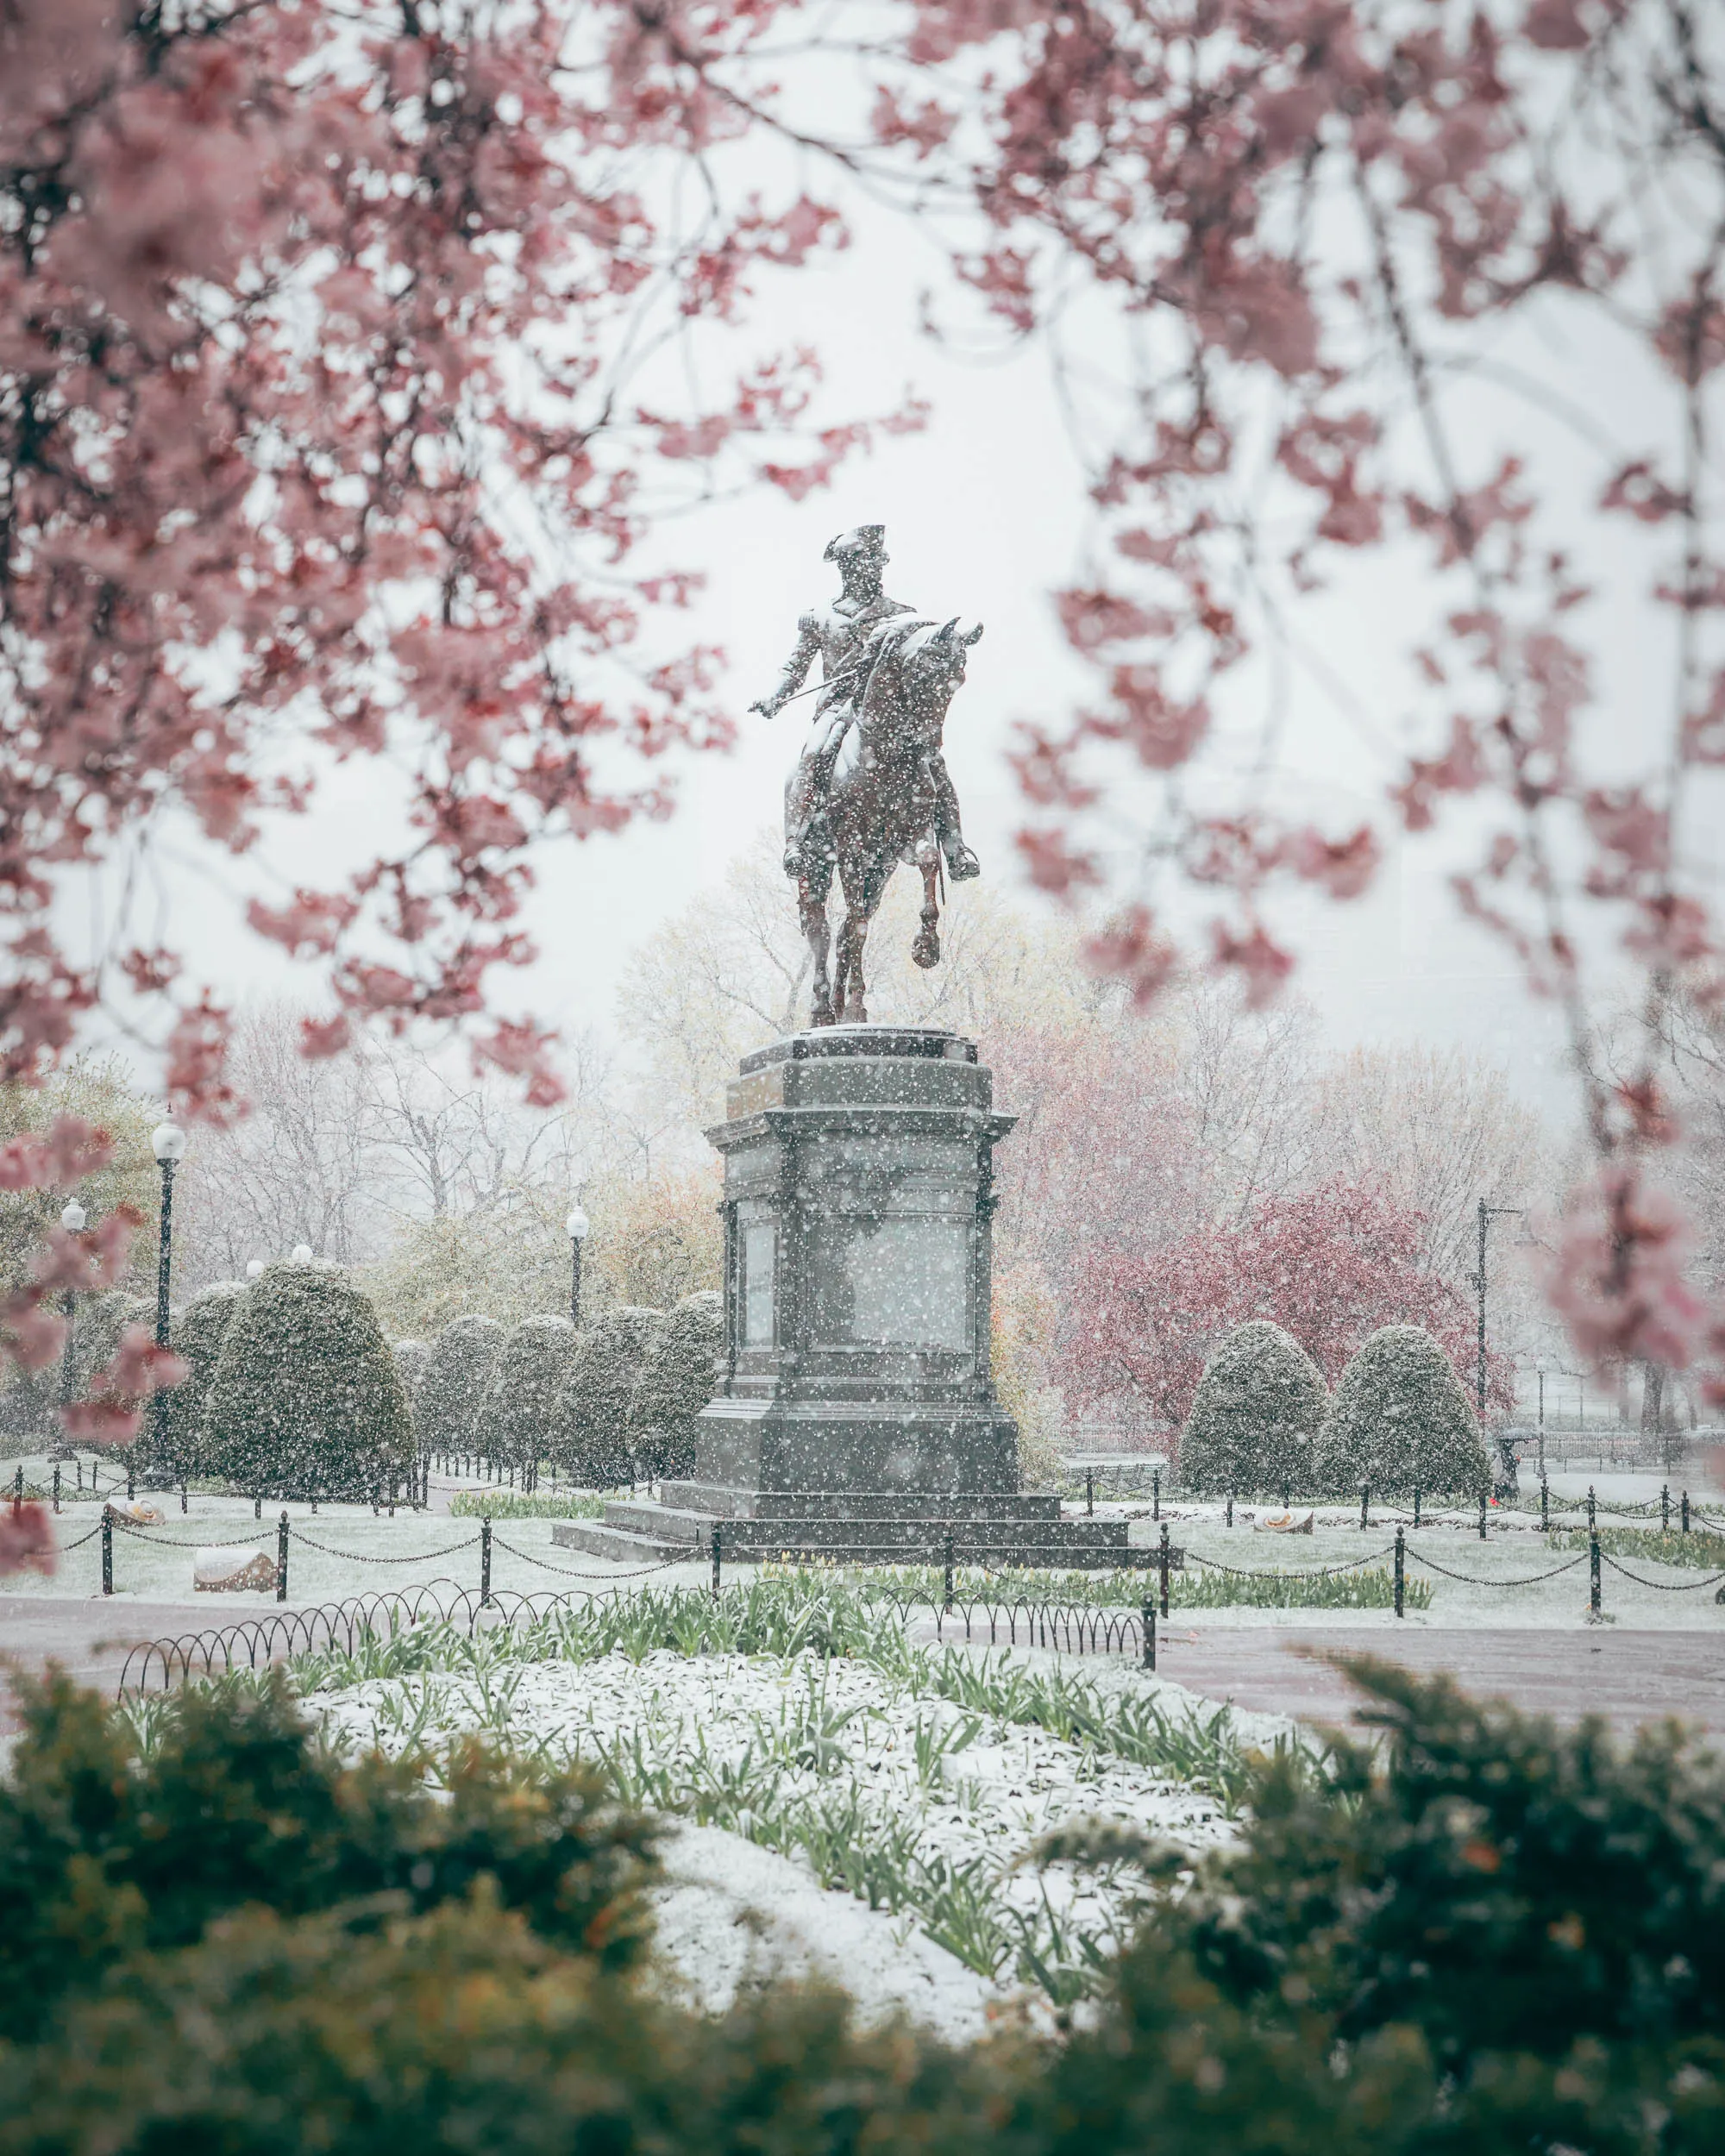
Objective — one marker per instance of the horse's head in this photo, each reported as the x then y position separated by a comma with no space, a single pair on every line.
924,664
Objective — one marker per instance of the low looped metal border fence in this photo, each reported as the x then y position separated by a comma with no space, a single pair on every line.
255,1642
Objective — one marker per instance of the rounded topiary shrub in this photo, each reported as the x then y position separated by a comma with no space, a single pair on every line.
1401,1420
592,1428
518,1422
674,1384
412,1360
307,1400
1255,1416
199,1332
452,1390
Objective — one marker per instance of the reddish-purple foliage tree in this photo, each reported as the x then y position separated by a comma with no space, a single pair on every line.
1329,1267
1317,234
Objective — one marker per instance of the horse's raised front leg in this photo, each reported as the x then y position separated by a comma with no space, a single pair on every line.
812,907
926,949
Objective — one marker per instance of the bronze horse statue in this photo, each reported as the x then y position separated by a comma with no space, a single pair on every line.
882,806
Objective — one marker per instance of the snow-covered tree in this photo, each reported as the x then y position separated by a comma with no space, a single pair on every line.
1401,1420
592,1428
675,1382
1256,1415
199,1332
306,1398
453,1389
517,1419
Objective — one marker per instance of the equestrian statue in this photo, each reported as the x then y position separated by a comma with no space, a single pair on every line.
870,789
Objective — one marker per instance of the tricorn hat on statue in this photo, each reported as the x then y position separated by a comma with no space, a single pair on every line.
863,539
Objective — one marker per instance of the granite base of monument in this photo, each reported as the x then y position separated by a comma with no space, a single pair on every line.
854,1412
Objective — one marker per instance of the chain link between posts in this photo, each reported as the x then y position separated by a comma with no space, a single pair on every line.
1662,1587
569,1572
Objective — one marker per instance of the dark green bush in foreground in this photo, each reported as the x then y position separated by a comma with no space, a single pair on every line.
1490,1938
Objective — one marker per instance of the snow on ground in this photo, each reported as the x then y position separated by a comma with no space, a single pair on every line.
730,1918
926,1811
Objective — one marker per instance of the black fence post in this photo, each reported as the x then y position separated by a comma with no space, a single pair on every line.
1089,1492
1664,1508
281,1557
1401,1571
184,1506
718,1557
1593,1571
1162,1557
131,1482
107,1551
1544,1506
1156,1493
56,1487
946,1590
1416,1504
485,1563
1231,1509
1364,1505
1685,1512
1146,1617
1482,1515
257,1504
1592,1521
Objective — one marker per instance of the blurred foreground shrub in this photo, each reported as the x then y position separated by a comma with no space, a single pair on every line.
1481,1935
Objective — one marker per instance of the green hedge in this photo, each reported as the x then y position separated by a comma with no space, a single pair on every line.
1401,1421
673,1383
517,1420
199,1332
593,1432
306,1399
452,1391
1255,1417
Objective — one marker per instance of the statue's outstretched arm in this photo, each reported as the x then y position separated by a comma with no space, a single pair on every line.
796,667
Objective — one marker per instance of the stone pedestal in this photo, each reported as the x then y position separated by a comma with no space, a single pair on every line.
854,1409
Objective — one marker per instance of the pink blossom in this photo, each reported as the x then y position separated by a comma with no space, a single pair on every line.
27,1543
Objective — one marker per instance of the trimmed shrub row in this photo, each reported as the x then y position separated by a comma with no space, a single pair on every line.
1399,1418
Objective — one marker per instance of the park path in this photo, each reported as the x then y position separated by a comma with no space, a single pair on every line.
1629,1677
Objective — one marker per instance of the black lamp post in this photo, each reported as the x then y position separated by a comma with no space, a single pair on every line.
1487,1214
576,1228
73,1220
167,1142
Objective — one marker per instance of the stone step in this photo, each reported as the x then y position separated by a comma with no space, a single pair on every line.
640,1515
597,1540
818,1505
638,1532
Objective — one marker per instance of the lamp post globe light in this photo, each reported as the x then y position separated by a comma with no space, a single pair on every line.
576,1228
254,1266
302,1253
73,1218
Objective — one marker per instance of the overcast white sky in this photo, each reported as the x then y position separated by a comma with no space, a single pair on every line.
985,514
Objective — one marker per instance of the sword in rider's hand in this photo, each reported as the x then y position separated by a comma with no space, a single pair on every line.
815,688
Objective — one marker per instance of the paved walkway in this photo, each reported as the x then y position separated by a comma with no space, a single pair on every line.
1627,1676
90,1639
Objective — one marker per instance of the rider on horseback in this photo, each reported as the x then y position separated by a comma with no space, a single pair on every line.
840,634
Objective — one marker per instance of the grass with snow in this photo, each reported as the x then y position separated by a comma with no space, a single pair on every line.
797,1714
